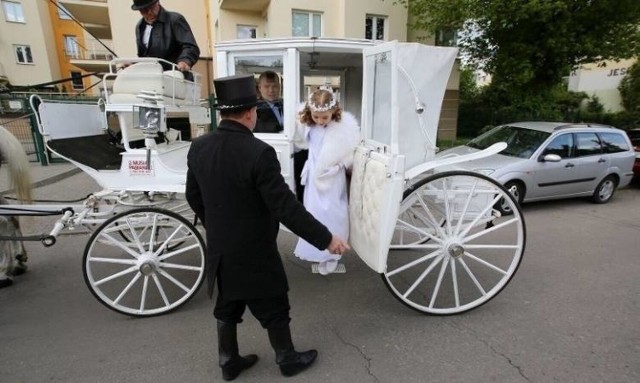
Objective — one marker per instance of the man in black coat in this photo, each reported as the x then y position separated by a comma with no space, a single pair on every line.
165,35
235,187
270,113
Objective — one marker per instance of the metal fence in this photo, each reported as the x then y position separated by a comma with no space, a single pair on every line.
16,116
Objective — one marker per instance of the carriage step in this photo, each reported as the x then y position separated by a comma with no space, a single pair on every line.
339,270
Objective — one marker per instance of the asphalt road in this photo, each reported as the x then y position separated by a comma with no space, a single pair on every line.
569,315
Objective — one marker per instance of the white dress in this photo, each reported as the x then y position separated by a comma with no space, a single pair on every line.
329,206
324,177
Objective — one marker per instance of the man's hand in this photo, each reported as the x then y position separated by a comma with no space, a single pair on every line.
338,246
183,66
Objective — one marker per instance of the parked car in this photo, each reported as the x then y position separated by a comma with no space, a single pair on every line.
634,136
550,160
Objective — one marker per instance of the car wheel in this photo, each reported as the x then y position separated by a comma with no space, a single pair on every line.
517,191
605,189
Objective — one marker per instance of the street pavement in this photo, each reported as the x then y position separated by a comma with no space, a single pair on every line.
570,314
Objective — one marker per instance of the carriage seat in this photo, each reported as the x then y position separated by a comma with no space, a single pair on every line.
97,151
149,76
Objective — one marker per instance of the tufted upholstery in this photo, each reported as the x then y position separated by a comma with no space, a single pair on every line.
373,206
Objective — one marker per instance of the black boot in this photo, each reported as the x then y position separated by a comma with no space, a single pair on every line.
290,361
230,360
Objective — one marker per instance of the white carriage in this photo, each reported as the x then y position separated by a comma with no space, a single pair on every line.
432,232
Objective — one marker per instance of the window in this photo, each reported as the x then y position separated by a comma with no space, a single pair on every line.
447,38
13,11
613,143
306,24
71,47
246,31
63,14
588,144
561,145
23,54
76,80
375,28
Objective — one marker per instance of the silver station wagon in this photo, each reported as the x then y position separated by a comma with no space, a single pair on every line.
549,160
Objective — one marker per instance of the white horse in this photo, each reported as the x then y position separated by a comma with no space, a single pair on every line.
12,252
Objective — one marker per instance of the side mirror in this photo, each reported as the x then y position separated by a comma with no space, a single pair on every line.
551,158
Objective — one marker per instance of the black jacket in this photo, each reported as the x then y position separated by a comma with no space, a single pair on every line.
267,120
171,39
235,187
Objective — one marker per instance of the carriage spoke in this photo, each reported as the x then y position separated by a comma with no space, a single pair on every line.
114,261
179,251
126,289
130,270
119,244
160,289
467,246
172,279
423,275
165,244
454,280
472,276
431,217
466,207
154,229
482,261
436,289
136,238
417,261
143,296
447,208
491,229
479,216
179,267
420,231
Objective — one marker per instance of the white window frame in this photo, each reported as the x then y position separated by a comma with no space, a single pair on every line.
71,46
243,27
374,27
18,13
62,15
310,15
23,48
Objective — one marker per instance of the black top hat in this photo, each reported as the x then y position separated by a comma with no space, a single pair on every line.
235,92
142,4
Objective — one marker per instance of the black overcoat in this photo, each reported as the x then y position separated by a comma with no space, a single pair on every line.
235,187
171,39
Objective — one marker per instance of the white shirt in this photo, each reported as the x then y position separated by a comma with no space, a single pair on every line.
147,35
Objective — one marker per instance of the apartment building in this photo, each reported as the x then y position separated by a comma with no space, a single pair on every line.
601,81
111,23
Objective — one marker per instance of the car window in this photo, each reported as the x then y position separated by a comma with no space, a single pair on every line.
613,142
521,142
634,136
587,144
561,145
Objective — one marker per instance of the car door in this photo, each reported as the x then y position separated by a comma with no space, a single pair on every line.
592,161
556,179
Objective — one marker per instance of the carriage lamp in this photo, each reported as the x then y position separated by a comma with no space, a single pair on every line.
150,118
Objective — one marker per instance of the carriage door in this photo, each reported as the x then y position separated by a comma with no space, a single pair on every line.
284,64
378,171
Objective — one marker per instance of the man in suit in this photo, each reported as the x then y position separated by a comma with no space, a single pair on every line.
270,113
235,187
165,35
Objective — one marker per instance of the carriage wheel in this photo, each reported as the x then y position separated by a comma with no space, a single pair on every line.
157,269
467,260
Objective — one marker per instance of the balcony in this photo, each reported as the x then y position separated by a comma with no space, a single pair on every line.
244,5
93,57
93,14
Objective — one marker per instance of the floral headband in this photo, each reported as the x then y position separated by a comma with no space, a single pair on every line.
322,108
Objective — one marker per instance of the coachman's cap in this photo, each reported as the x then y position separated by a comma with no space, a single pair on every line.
235,92
142,4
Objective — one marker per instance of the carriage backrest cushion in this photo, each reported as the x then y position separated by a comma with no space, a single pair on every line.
137,77
88,120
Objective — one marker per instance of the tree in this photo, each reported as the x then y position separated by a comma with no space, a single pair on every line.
630,89
529,45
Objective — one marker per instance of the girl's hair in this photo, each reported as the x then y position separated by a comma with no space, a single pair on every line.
320,100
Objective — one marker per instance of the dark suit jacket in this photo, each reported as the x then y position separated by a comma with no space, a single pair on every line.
235,187
171,39
267,121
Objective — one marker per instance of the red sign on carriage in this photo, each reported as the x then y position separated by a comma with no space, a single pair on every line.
140,168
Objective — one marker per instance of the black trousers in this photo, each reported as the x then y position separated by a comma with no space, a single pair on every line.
270,312
299,159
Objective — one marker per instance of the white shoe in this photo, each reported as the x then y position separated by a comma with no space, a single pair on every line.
322,268
331,265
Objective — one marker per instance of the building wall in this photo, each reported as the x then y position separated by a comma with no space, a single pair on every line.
356,12
36,32
601,81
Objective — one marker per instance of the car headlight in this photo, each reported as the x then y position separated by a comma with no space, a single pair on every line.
486,172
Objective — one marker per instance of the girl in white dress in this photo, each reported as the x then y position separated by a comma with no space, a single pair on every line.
331,136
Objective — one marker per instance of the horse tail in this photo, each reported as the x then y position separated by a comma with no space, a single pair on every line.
17,162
